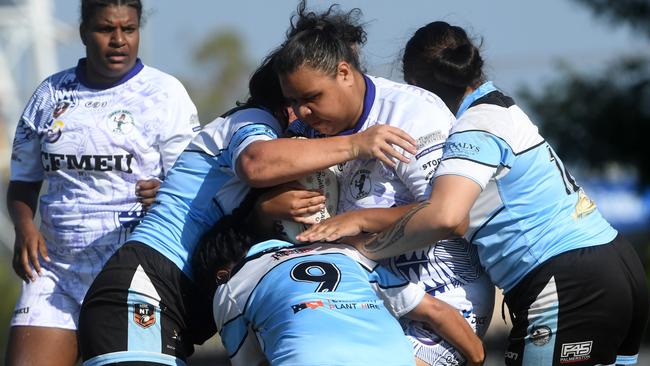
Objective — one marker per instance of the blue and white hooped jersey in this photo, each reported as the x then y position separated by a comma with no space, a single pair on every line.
203,186
93,144
371,184
314,304
530,208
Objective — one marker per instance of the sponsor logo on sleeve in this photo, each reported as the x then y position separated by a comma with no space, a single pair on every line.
461,149
429,139
428,150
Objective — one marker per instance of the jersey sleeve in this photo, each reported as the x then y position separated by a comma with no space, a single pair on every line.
26,163
180,124
473,154
399,295
430,129
236,335
257,125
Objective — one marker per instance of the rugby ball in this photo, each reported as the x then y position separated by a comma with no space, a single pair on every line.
327,182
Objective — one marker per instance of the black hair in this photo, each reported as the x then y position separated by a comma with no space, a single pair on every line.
322,40
90,7
226,243
442,59
264,91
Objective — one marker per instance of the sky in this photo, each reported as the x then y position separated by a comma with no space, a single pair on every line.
522,41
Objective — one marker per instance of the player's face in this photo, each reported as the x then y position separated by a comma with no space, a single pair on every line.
112,37
328,103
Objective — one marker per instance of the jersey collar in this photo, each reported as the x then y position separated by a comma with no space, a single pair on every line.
80,72
470,98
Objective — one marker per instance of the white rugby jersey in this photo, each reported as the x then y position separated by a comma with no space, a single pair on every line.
371,184
314,304
93,144
530,208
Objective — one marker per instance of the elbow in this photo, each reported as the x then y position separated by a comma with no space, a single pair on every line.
448,225
251,171
478,357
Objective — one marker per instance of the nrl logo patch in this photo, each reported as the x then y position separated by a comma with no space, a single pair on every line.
144,315
121,122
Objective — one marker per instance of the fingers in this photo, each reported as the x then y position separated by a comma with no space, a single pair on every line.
42,249
319,232
19,267
147,189
404,140
32,254
381,142
25,269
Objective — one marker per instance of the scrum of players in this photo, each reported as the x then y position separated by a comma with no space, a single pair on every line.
435,208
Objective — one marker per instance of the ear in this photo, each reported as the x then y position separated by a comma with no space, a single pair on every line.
82,33
345,72
222,276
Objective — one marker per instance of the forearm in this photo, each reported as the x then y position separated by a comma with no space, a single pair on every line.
419,227
374,220
447,322
22,202
268,163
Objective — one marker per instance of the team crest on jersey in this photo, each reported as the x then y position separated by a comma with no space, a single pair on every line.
540,335
361,184
53,129
144,315
61,107
121,122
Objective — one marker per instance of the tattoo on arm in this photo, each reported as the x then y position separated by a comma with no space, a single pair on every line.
394,233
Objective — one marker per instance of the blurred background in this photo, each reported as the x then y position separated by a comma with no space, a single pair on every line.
580,68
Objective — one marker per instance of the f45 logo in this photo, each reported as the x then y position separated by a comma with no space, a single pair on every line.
577,351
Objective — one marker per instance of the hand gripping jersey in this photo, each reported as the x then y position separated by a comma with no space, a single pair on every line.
93,144
203,185
315,304
531,208
369,183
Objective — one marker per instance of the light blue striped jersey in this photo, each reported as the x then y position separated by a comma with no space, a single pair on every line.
203,186
530,208
314,304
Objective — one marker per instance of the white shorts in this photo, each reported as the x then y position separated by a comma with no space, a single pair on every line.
55,298
475,301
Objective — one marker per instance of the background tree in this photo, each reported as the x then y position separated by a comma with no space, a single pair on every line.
224,70
602,120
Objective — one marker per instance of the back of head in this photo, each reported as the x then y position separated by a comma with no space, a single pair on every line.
264,89
441,58
322,40
90,7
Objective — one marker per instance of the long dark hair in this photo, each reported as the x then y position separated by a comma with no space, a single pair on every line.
441,58
322,40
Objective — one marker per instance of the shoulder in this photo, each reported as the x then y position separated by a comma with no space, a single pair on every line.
162,80
410,108
502,119
407,95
